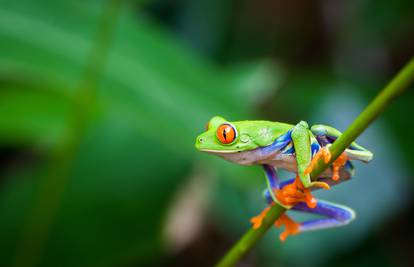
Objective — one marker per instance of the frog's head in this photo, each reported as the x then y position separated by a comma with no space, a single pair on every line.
223,137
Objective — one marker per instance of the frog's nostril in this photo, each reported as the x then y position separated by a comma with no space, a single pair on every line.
201,140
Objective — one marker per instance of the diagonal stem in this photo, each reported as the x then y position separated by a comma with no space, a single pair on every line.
397,86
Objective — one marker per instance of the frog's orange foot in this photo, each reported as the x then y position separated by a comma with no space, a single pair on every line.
337,165
323,153
257,220
294,193
291,227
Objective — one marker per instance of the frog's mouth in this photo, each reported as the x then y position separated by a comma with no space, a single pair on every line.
219,151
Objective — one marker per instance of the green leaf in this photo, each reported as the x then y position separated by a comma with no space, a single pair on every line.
153,98
26,116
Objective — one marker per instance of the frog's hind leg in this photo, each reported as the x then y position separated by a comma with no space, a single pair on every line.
327,135
273,183
362,155
292,193
336,215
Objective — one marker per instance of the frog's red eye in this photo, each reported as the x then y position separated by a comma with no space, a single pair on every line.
226,133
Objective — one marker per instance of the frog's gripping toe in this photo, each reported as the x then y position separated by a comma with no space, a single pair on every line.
257,220
293,193
323,153
321,185
337,165
291,227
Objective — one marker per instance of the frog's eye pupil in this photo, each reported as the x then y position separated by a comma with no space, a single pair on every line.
226,133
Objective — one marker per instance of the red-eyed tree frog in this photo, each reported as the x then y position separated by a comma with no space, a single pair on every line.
295,148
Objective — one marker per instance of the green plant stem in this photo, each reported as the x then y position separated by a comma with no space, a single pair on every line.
397,85
393,89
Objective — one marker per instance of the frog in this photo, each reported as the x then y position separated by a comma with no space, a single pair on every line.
295,148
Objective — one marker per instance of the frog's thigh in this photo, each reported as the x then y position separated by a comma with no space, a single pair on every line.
320,129
272,177
363,155
336,215
354,151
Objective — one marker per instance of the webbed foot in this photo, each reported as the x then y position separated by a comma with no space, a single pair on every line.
326,155
294,193
291,227
323,153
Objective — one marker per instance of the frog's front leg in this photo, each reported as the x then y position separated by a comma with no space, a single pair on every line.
301,137
336,215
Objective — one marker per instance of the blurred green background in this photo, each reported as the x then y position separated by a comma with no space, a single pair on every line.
101,101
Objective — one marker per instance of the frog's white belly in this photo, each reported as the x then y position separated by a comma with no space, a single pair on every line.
256,157
277,159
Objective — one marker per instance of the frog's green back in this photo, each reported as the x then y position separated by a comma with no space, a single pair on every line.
263,132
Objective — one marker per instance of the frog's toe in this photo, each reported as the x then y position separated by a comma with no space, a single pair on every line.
294,193
257,220
310,200
323,153
321,185
337,165
291,227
